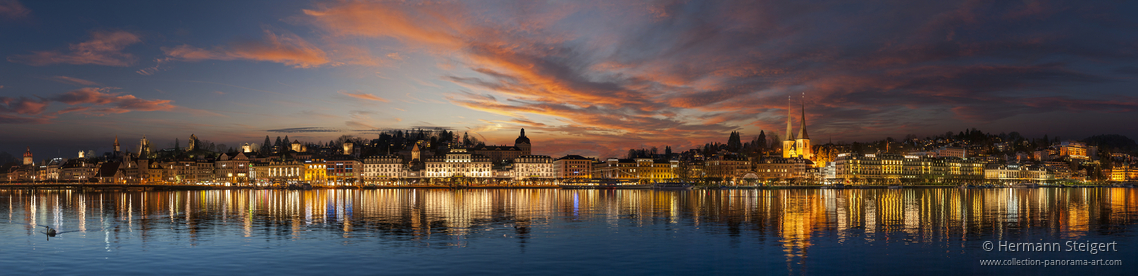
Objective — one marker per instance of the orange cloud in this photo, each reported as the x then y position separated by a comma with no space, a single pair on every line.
104,48
429,24
364,96
287,49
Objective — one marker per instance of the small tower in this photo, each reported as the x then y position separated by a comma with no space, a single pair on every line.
193,143
143,148
523,143
295,146
348,146
415,155
28,157
116,144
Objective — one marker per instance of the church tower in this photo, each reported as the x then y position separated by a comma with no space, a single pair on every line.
116,144
523,143
788,150
28,157
143,148
193,143
802,144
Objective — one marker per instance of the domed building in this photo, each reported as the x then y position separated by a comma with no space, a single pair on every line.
520,148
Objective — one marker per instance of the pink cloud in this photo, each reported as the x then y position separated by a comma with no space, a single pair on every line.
287,49
104,48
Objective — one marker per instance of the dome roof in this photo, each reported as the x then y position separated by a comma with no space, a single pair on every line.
522,138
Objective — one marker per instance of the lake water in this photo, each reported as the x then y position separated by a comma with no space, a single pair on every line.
549,231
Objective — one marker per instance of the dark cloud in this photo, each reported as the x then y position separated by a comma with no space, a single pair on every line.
690,70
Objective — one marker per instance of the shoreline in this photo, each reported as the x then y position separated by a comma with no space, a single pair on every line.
496,187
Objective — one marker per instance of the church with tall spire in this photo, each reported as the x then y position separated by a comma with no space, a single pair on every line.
796,146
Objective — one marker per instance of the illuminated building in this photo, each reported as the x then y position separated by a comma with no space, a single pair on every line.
277,172
726,167
315,171
1123,173
79,169
1073,149
642,170
799,147
458,163
884,169
573,166
381,169
533,167
342,170
232,168
782,169
1015,174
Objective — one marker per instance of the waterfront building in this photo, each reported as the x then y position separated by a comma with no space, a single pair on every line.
1016,173
384,169
315,171
642,170
783,170
573,166
727,167
343,170
1124,173
277,172
232,167
459,163
889,169
78,170
531,168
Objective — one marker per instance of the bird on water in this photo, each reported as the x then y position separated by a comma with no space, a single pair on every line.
50,232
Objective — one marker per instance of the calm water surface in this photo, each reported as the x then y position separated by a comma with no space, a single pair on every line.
547,231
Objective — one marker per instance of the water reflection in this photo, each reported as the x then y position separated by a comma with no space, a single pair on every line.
794,219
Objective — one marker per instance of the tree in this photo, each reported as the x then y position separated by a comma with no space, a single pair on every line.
266,147
734,143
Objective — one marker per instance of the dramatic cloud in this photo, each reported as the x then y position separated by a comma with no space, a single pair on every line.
12,9
689,71
88,100
364,96
287,49
104,48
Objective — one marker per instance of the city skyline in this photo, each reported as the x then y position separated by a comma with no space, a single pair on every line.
583,78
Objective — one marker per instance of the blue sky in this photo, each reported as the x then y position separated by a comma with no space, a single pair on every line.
590,78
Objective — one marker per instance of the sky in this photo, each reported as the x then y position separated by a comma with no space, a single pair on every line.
593,78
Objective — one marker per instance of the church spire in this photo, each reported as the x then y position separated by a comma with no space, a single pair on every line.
802,132
789,115
116,143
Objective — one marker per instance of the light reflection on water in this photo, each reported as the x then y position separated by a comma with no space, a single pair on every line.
796,230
